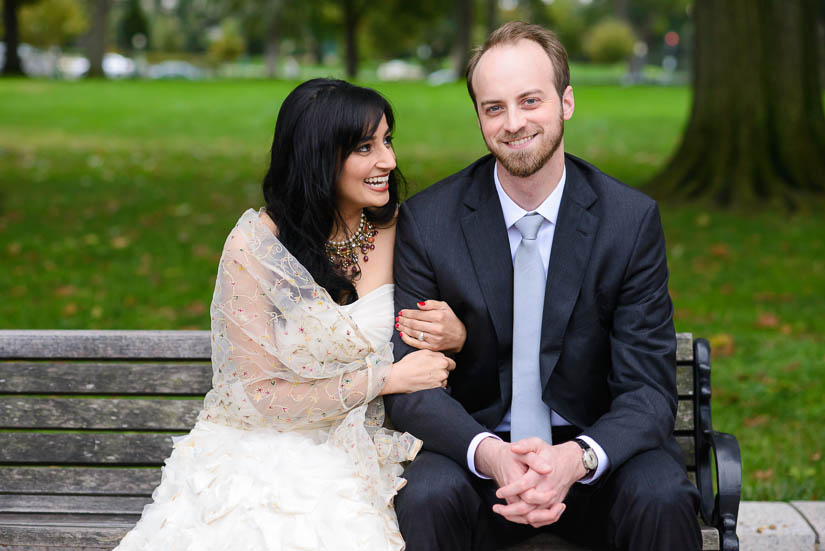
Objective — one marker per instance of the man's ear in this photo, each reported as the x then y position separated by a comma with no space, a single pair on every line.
568,103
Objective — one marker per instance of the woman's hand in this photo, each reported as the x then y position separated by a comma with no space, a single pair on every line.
434,326
419,370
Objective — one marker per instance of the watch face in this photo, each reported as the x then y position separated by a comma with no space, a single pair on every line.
591,461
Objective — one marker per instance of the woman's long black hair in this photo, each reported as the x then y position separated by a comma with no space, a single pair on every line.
319,124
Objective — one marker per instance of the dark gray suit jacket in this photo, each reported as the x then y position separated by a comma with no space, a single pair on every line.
608,346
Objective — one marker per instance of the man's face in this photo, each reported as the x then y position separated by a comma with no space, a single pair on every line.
519,110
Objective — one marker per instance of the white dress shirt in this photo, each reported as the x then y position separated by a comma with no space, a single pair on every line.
549,209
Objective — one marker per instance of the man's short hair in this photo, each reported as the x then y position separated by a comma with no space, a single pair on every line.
512,32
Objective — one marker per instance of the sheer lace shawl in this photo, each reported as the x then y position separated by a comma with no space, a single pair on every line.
284,354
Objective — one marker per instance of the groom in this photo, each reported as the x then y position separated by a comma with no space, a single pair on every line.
558,272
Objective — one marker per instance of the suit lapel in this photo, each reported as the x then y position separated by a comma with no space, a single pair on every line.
489,248
572,243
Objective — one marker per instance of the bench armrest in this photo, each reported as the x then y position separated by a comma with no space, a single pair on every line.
720,509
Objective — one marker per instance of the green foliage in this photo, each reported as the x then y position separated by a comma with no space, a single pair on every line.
116,198
609,41
52,22
167,35
133,24
229,45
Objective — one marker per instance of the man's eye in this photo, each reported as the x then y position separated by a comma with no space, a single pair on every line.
494,109
531,101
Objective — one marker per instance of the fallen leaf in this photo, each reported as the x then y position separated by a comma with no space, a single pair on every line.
196,308
766,320
726,289
120,242
786,329
70,309
816,456
791,367
756,421
765,474
720,250
65,291
703,220
721,345
14,248
97,312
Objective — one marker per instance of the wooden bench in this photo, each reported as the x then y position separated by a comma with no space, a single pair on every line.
86,419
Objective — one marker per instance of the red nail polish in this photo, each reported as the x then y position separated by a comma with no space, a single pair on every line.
421,303
396,326
402,334
396,318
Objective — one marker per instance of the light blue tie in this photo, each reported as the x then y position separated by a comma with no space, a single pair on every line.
530,416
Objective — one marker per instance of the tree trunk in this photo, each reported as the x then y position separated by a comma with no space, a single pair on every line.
756,133
12,66
273,45
96,39
492,19
352,17
463,36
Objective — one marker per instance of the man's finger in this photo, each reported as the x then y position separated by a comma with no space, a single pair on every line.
518,509
528,445
544,517
537,463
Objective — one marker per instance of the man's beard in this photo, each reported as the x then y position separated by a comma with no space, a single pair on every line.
525,163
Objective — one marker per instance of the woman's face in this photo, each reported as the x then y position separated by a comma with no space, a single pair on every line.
364,180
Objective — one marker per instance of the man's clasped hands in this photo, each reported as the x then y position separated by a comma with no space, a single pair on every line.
533,477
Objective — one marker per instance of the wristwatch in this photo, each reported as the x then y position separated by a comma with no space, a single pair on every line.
589,458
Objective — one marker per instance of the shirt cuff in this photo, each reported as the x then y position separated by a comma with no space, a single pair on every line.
471,452
604,462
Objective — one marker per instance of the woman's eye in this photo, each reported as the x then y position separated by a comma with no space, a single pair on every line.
365,148
388,141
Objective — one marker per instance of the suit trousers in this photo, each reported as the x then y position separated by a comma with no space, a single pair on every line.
646,504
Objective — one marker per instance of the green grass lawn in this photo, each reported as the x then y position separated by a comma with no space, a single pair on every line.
115,199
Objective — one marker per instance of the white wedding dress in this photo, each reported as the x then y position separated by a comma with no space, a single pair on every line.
247,479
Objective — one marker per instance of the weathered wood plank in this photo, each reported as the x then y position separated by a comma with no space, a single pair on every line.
684,380
684,347
85,448
115,505
62,537
684,415
88,344
187,378
97,413
688,445
79,480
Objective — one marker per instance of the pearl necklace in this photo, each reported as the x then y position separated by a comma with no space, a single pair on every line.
344,254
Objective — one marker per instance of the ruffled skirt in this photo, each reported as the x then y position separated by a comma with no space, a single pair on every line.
225,488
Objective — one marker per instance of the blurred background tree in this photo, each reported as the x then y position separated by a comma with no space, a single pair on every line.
756,133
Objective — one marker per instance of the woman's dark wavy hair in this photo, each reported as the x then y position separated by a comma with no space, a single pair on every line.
319,124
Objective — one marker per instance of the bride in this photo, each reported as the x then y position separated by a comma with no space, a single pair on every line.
289,451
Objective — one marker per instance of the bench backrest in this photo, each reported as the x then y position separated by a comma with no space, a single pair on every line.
106,403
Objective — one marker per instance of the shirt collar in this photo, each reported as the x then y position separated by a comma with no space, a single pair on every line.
549,208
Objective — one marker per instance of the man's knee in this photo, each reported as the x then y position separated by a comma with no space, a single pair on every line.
436,486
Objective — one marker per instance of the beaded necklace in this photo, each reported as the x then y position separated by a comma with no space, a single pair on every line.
343,255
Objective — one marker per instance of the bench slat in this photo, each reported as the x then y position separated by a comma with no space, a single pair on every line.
187,378
95,413
115,505
105,344
684,347
684,381
85,448
79,480
63,537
